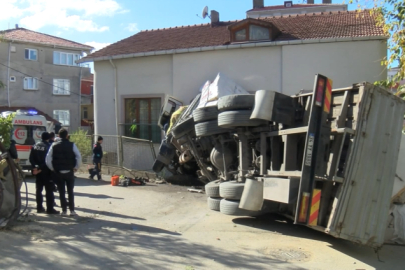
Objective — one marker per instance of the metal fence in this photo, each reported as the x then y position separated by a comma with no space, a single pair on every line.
119,151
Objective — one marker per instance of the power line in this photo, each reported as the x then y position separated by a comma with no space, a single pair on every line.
51,84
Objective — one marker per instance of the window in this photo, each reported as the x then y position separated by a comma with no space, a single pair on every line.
240,35
253,30
31,54
30,83
61,87
257,32
85,113
62,116
67,59
141,117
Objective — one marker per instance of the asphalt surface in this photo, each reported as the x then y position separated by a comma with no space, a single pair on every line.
167,227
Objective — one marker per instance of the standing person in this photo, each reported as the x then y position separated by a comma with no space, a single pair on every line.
51,138
43,175
53,178
64,160
97,156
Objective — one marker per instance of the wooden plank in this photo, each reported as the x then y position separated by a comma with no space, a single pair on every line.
307,111
263,153
341,119
334,156
351,112
284,173
287,131
337,99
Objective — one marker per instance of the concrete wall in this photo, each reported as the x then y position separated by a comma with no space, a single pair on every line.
287,69
345,63
43,69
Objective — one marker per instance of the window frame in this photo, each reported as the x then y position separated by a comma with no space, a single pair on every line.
29,59
75,57
151,123
246,27
58,118
85,112
25,86
55,84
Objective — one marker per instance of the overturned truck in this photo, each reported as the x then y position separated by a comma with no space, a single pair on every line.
326,159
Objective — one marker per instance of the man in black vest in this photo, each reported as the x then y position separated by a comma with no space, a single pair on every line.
64,159
42,174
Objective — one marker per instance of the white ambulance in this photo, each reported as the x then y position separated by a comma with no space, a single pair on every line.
28,127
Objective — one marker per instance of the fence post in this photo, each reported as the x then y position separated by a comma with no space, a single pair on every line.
118,151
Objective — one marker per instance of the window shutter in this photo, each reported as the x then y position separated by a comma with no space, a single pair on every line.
27,54
25,83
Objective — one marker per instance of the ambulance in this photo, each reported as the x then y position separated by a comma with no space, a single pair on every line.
28,127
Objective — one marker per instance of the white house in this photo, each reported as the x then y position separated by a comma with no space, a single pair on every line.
278,53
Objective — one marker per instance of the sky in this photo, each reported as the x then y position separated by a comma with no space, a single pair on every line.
99,23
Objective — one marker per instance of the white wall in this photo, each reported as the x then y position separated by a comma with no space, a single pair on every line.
136,76
345,63
253,69
287,68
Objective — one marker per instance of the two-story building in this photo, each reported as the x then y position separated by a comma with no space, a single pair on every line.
40,71
281,53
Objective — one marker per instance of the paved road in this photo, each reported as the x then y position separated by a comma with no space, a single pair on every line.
166,227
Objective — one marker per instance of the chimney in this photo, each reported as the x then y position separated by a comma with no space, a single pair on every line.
310,1
258,3
16,26
214,17
326,1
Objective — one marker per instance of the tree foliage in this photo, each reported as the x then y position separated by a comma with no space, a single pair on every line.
390,15
83,142
6,127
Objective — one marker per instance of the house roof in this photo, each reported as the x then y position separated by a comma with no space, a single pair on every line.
292,27
294,6
25,35
13,109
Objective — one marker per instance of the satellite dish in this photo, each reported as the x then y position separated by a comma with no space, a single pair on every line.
205,12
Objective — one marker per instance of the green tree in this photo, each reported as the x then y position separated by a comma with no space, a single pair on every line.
390,15
6,126
83,143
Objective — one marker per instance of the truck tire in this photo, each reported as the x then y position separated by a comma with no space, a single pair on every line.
236,102
212,189
209,128
231,190
231,208
240,118
214,203
205,114
158,166
183,128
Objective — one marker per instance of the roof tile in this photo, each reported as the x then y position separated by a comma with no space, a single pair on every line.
25,35
300,27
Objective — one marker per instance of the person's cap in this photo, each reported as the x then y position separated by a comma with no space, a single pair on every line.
99,138
45,136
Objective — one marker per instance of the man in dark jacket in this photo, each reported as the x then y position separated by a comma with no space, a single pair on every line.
64,160
42,174
97,156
